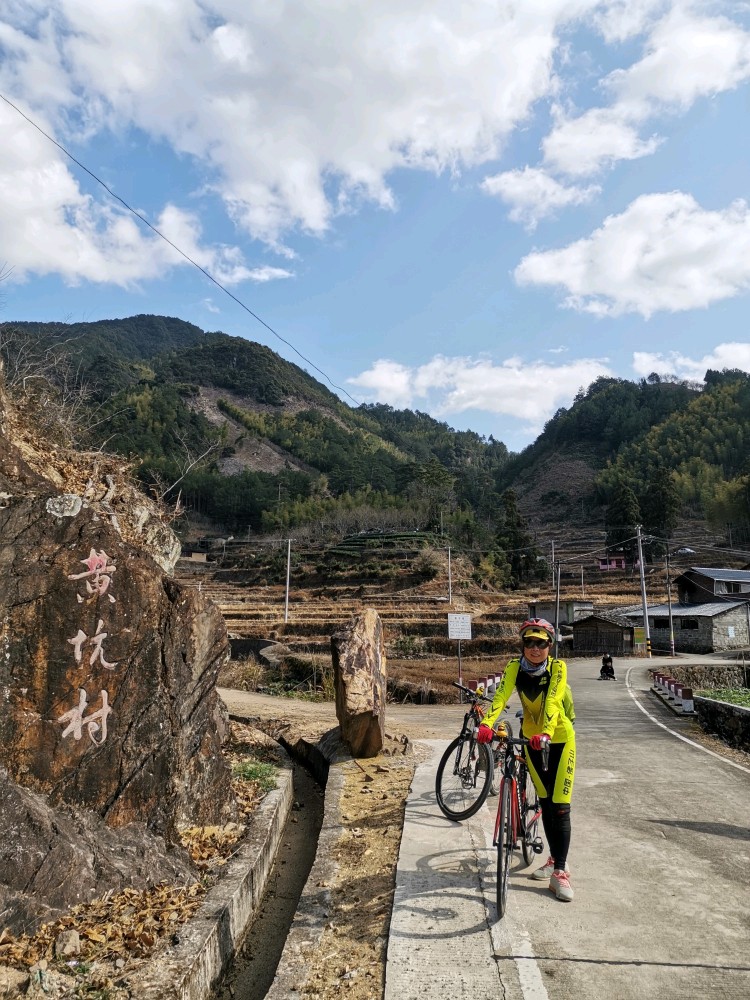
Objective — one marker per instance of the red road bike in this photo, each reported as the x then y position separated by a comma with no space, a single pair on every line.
518,815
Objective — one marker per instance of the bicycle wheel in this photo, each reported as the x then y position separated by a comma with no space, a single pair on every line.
529,812
463,778
505,841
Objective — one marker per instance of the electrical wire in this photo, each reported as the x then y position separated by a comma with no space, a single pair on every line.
174,246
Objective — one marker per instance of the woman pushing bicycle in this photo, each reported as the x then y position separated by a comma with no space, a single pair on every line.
541,682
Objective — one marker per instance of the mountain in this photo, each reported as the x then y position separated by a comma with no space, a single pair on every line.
250,442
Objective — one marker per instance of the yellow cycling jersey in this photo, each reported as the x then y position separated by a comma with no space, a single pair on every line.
543,700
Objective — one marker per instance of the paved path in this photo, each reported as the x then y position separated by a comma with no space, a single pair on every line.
660,857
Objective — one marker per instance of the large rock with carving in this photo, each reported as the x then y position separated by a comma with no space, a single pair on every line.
359,673
52,858
107,666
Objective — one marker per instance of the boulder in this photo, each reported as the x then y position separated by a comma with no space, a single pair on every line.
359,673
51,859
108,667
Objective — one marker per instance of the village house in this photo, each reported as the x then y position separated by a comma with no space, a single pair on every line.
603,632
570,611
700,584
698,628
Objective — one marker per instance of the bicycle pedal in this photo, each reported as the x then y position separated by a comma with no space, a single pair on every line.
538,846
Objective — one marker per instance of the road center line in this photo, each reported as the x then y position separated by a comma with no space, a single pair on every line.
711,753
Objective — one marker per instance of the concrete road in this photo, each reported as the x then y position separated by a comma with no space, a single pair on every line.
659,858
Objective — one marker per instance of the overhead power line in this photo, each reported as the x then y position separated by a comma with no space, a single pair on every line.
174,246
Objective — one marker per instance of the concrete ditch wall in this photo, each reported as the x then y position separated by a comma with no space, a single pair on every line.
208,942
730,722
313,911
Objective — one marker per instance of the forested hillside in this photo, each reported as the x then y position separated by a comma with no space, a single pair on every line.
195,412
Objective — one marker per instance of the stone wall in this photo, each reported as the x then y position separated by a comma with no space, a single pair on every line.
730,722
709,675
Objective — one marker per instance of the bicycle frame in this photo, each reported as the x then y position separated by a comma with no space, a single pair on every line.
510,773
511,820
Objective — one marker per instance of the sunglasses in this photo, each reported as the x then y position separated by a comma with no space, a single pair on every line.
536,643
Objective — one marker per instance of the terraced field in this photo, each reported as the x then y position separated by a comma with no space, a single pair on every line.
408,587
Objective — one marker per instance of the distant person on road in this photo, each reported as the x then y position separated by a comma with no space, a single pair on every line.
607,671
542,685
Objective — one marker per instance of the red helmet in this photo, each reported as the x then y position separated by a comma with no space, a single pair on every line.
537,628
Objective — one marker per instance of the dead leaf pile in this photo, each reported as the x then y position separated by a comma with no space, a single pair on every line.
210,846
118,925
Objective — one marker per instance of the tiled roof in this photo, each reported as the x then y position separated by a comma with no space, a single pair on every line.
736,575
708,610
606,616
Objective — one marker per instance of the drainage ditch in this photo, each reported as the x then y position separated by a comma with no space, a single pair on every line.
250,975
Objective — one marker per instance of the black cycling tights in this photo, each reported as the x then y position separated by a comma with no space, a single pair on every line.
556,822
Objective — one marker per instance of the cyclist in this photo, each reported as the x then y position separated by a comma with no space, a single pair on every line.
607,671
541,682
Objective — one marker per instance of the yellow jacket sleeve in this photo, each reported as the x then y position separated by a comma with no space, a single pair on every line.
502,693
567,703
553,704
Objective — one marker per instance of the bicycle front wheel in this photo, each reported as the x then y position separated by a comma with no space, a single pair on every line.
463,778
505,841
530,812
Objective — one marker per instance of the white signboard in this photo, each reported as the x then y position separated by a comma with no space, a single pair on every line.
459,626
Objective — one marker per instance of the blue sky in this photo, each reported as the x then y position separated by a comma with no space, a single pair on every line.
469,209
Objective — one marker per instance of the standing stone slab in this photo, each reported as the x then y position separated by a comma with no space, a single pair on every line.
359,676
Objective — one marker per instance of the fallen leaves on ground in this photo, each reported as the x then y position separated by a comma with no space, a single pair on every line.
210,846
118,925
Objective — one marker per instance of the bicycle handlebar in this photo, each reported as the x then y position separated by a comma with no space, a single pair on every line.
521,741
471,694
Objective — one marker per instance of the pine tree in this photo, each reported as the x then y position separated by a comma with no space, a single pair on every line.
660,508
621,519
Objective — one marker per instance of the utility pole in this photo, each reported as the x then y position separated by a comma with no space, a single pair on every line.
553,561
288,566
669,603
643,593
450,592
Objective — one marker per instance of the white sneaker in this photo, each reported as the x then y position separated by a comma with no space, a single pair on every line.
545,872
559,883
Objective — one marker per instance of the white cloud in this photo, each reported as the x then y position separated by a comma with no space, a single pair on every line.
268,273
664,252
49,225
729,355
534,194
529,391
620,20
298,110
600,137
386,382
687,56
